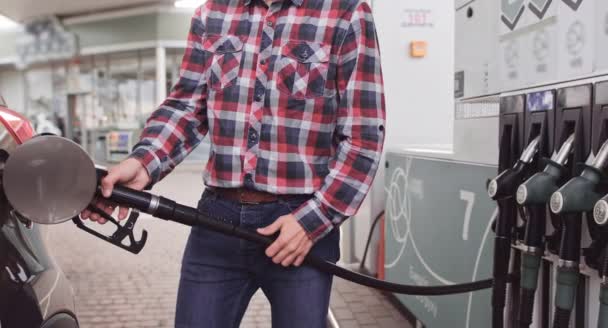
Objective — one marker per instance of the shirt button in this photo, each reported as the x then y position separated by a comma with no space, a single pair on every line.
259,94
253,138
269,23
248,179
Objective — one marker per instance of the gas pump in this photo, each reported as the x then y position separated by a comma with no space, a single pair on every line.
540,121
600,210
513,168
573,117
599,136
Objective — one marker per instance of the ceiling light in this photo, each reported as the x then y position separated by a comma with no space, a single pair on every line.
6,23
189,3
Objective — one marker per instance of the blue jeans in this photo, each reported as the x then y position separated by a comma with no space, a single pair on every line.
220,274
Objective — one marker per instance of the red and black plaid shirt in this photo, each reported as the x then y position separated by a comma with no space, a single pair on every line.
291,97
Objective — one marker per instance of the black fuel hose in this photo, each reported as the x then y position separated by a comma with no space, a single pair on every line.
502,255
369,239
169,210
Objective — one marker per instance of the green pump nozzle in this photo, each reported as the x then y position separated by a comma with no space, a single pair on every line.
579,194
534,194
505,184
538,189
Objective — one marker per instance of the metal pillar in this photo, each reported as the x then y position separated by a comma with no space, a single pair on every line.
161,74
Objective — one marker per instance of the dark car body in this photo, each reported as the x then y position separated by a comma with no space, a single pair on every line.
34,292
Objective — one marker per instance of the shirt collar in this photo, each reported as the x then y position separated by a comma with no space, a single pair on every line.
295,2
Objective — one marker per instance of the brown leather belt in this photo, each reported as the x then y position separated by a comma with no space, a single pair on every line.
248,196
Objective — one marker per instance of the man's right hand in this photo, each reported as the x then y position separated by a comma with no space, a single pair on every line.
129,173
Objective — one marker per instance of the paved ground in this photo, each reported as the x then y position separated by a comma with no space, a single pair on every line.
355,306
116,289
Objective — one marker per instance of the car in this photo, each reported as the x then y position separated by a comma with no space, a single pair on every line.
34,291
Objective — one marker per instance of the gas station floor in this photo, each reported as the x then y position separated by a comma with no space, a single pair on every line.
114,288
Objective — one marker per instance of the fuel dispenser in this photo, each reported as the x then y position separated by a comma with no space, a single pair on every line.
600,210
595,173
513,165
570,202
540,122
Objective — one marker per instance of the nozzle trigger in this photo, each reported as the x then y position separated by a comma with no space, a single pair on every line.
122,231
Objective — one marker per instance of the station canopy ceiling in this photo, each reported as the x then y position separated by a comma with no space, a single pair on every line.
23,10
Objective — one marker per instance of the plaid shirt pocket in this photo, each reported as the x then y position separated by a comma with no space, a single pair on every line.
227,51
302,69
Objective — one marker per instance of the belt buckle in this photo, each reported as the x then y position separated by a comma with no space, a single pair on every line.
242,199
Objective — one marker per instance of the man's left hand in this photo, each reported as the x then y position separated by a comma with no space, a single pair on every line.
292,245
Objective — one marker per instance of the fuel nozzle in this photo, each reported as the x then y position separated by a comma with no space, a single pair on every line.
579,194
538,189
505,184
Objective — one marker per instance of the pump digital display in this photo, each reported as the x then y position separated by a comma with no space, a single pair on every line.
541,101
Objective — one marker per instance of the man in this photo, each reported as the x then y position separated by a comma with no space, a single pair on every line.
290,93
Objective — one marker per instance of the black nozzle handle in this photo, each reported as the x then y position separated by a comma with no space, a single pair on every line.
506,183
136,199
167,209
579,194
538,189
